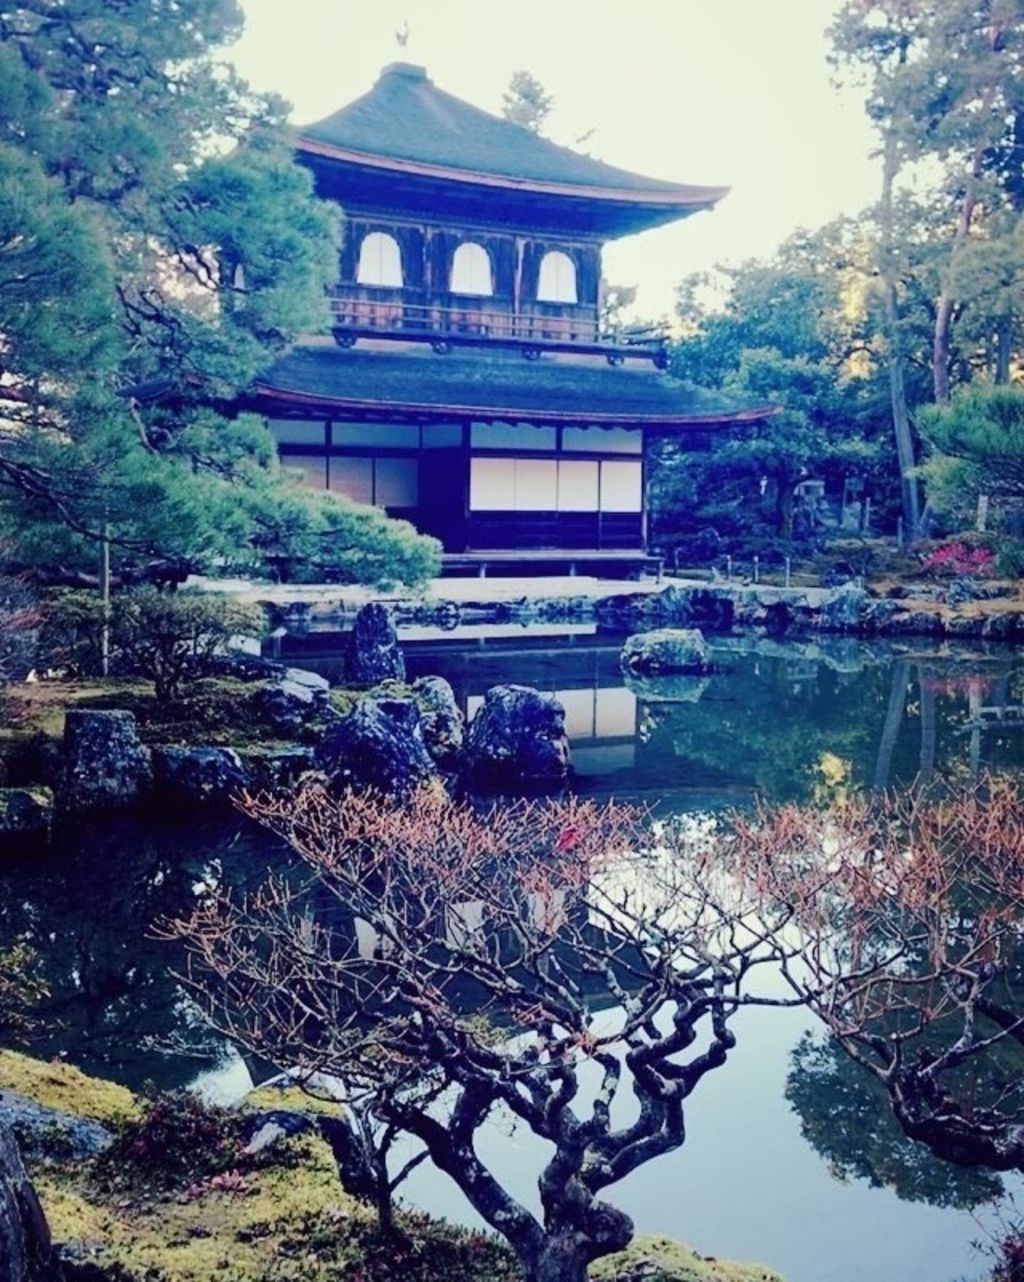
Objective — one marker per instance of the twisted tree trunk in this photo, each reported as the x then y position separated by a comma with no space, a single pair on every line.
24,1233
568,1248
563,1259
942,336
896,359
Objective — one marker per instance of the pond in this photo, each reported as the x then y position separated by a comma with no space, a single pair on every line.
791,1158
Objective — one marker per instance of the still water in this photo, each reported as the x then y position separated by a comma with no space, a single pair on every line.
790,1158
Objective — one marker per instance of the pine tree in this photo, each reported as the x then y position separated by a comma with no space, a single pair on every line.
526,102
175,250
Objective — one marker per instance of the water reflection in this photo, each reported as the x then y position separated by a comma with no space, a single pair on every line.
845,1115
789,720
88,907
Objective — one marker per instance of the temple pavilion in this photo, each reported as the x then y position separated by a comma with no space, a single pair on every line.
468,384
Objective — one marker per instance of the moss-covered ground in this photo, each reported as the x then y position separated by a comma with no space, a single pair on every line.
177,1199
220,710
64,1087
659,1259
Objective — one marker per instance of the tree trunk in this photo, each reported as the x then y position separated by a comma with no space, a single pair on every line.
579,1228
784,508
24,1234
893,722
944,311
940,347
357,1177
563,1258
384,1201
897,361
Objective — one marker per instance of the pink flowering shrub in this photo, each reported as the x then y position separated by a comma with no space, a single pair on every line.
960,558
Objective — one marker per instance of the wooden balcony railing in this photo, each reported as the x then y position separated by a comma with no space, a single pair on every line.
453,320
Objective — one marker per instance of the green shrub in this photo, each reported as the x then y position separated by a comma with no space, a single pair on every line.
71,632
1010,558
22,989
173,638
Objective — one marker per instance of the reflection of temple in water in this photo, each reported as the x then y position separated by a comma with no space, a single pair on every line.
789,718
577,664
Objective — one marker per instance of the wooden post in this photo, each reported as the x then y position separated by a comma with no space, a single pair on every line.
104,584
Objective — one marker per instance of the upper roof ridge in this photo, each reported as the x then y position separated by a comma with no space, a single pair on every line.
406,120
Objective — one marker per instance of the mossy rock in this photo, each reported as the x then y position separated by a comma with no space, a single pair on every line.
289,1099
343,699
64,1087
659,1259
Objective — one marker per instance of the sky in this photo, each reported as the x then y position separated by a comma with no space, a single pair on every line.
732,92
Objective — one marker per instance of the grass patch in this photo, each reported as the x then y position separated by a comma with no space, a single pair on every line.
64,1087
221,711
291,1098
659,1259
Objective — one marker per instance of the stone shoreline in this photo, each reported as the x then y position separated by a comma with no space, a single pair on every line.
104,765
714,607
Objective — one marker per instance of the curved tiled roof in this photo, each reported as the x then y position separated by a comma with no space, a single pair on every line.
405,121
501,386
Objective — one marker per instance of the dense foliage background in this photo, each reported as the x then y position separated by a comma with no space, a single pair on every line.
856,327
158,247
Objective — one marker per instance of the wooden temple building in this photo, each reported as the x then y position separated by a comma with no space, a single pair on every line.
468,385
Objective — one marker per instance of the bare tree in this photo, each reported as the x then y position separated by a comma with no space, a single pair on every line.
906,918
544,959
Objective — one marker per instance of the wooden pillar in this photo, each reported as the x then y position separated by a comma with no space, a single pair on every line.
643,488
465,457
517,288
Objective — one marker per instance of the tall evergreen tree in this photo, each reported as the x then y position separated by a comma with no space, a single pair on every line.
526,102
945,82
174,249
801,330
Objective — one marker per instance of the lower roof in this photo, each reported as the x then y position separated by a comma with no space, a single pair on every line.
416,383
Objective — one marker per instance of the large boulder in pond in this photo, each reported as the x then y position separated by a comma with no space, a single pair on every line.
669,688
294,699
444,729
517,739
105,764
841,609
378,745
441,720
199,776
671,650
373,653
24,1234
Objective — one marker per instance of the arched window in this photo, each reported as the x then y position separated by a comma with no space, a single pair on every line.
471,270
380,261
557,283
